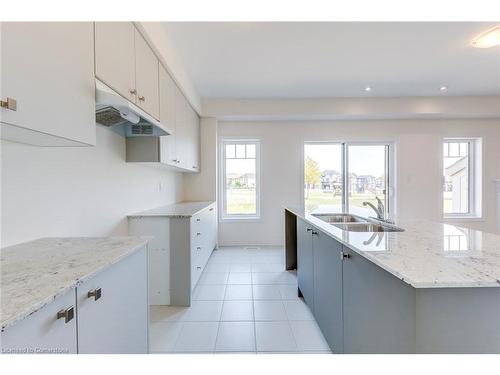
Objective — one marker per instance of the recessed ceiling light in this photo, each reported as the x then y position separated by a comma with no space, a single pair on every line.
490,38
368,88
443,88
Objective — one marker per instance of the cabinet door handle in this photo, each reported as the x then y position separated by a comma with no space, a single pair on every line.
68,314
314,232
198,219
133,91
211,209
142,98
308,229
10,103
96,293
198,233
344,255
198,267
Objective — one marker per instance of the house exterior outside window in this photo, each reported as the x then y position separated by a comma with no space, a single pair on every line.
239,185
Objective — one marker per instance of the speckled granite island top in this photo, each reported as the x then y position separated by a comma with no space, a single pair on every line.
427,254
177,210
34,273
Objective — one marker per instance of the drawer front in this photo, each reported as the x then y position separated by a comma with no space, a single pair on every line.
196,270
43,331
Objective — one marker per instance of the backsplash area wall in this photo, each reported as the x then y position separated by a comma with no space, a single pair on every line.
80,191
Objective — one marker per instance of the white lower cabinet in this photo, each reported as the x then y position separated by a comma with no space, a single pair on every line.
192,242
113,308
105,314
178,253
46,330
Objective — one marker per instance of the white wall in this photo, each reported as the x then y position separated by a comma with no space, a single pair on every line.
418,168
81,191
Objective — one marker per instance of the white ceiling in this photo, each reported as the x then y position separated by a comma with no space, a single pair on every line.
280,60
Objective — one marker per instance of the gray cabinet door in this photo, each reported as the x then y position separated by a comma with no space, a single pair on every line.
379,309
328,289
115,321
42,331
305,267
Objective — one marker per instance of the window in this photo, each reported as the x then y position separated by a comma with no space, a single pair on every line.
460,177
240,179
340,177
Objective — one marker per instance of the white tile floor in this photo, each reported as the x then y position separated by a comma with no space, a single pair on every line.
245,302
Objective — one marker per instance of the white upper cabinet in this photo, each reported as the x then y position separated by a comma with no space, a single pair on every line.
146,64
47,70
115,57
168,151
194,140
125,62
181,129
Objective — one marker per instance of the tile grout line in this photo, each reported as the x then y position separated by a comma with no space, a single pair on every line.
253,310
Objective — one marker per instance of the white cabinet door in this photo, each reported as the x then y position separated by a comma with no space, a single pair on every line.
117,322
168,154
195,140
146,65
181,129
48,68
115,57
43,331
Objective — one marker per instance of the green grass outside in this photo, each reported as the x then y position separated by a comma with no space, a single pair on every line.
242,201
319,198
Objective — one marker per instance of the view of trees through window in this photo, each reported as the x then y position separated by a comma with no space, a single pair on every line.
366,166
240,178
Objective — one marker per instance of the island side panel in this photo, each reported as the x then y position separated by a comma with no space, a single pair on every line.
379,309
290,240
458,320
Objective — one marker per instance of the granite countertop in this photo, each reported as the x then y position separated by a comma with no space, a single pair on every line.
34,273
176,210
427,254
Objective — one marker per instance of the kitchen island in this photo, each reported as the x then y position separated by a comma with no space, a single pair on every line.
432,288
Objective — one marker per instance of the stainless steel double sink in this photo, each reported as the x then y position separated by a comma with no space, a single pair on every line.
354,223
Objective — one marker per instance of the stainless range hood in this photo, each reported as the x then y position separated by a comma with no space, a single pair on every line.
124,117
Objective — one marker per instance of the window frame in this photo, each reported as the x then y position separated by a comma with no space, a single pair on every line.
474,178
392,192
224,216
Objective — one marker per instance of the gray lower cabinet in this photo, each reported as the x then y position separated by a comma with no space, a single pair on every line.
113,309
107,313
359,307
46,331
328,289
378,309
305,272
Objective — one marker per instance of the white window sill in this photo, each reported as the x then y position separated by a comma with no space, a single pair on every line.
463,218
252,219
